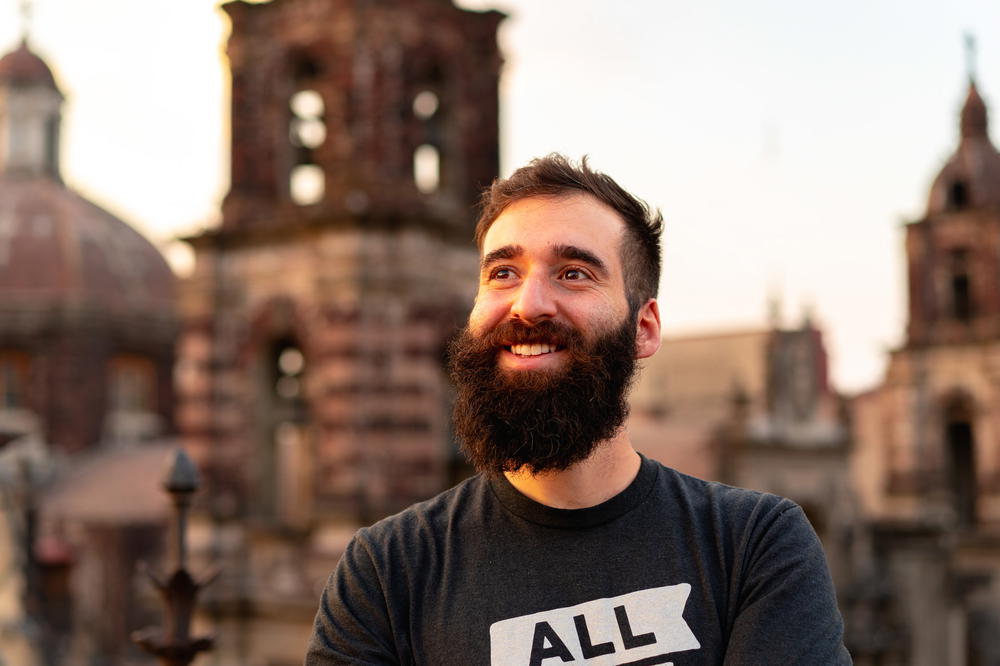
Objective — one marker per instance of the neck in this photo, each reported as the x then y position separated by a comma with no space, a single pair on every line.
607,472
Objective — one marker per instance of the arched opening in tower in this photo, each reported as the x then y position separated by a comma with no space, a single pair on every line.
283,454
429,123
958,195
960,450
307,131
962,306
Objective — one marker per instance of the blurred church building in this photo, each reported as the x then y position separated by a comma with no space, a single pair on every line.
301,363
88,329
925,465
902,482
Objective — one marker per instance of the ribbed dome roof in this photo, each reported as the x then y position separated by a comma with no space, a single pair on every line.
23,67
58,249
971,177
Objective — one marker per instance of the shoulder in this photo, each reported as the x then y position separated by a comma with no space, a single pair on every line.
712,496
780,605
382,580
735,517
425,523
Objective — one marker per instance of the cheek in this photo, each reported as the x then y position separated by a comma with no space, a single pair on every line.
485,314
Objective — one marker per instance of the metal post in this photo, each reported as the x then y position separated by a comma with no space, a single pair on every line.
174,645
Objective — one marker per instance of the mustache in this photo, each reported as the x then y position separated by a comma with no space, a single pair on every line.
514,332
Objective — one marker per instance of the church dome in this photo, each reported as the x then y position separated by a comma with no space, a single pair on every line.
971,177
22,67
88,319
58,249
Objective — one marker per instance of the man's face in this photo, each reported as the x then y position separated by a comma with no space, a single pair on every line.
543,368
550,259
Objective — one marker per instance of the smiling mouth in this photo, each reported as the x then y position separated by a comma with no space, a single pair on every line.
534,349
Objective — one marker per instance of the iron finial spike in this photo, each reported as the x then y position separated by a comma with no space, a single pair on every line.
182,475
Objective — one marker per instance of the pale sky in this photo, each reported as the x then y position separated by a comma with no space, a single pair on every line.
785,141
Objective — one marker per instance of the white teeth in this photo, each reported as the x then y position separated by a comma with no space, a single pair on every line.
535,349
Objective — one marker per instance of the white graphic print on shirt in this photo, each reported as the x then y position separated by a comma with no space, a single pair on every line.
641,627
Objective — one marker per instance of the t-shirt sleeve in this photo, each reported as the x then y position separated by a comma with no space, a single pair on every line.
787,610
352,624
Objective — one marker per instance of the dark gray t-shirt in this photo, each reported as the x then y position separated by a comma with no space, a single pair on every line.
672,570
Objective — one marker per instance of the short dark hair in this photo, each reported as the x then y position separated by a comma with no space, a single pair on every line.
555,175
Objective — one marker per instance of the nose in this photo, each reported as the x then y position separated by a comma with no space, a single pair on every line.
534,301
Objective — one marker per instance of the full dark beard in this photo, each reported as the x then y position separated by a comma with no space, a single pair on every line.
545,420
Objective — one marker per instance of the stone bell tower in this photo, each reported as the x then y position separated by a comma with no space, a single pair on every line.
947,463
926,455
311,382
311,386
349,110
954,252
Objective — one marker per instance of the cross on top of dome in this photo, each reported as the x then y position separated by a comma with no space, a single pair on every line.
970,56
26,7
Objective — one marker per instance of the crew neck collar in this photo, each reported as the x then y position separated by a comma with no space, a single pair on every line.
592,516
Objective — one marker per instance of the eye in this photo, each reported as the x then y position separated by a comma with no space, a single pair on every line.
501,273
574,274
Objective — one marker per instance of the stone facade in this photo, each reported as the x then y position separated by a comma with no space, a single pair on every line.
87,333
926,462
86,303
311,387
901,483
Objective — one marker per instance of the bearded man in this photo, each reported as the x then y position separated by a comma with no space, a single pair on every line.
569,546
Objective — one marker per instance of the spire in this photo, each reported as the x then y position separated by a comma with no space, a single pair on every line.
974,122
808,316
26,7
970,56
775,317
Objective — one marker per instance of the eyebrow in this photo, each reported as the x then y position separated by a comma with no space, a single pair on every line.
505,252
580,254
562,251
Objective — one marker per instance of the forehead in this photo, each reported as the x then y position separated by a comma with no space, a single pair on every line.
537,223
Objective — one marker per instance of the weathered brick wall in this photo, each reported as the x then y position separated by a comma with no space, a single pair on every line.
929,246
368,282
68,356
368,61
372,312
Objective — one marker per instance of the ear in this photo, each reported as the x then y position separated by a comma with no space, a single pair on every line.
647,334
